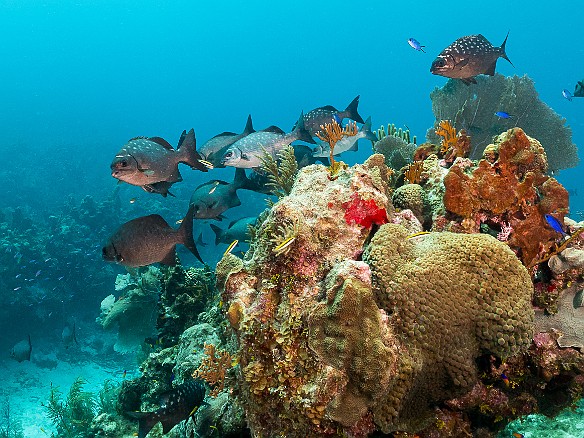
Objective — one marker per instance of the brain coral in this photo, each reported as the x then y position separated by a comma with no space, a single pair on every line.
451,298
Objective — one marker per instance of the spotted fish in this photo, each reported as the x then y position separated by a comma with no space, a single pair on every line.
175,406
326,114
152,163
468,57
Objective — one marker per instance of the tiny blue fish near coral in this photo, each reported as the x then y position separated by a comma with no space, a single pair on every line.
415,44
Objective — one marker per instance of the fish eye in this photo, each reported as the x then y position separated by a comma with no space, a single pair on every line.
440,62
229,155
124,163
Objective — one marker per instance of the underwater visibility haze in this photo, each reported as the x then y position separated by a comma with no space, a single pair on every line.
292,219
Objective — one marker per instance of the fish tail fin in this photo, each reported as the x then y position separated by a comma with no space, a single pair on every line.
218,233
186,233
300,132
187,149
248,126
502,50
146,421
352,111
366,128
240,180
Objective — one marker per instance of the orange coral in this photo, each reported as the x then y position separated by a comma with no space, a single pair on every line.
448,134
332,133
413,173
213,368
511,185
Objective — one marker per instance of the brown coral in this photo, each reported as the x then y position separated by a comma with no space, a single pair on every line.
451,297
511,185
448,134
213,368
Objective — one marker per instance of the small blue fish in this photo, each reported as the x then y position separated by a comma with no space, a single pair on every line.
555,224
567,94
416,44
503,115
337,119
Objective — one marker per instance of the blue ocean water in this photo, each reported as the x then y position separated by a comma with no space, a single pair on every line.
79,78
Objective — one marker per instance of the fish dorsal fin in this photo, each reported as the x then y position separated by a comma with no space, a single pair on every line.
248,126
273,129
140,137
226,134
162,142
328,108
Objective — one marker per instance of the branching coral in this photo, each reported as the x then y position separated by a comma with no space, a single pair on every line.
474,108
213,368
413,172
448,134
281,173
332,133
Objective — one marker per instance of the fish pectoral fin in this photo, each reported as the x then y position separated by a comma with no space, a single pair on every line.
463,63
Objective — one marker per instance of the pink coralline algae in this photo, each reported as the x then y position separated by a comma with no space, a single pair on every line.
364,212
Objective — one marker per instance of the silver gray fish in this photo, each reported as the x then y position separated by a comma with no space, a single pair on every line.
214,149
237,230
346,143
149,239
468,57
176,405
326,114
152,163
214,197
22,350
246,153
